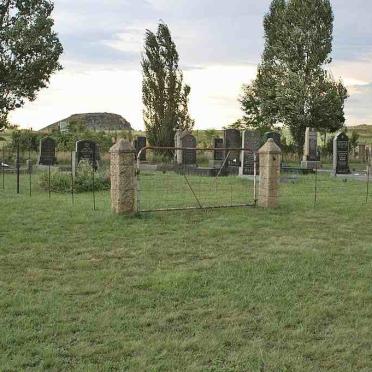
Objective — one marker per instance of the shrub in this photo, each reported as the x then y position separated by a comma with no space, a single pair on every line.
83,181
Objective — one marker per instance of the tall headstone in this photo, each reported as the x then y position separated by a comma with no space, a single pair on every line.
310,159
232,140
341,154
275,136
251,142
47,154
185,140
139,144
87,150
189,156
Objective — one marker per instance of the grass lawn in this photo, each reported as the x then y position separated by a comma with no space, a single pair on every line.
225,290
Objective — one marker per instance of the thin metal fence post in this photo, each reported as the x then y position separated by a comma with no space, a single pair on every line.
255,178
30,168
316,186
3,167
93,177
368,174
49,190
18,166
72,180
138,183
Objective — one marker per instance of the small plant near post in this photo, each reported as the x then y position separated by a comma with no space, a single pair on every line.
123,178
270,158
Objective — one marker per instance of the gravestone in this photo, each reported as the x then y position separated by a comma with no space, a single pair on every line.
275,136
140,143
232,140
87,150
310,159
185,139
47,154
341,154
251,140
189,156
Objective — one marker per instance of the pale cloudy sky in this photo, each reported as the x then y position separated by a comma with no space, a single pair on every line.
219,42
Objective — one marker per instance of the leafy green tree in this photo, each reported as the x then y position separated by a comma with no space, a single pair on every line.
165,96
354,140
292,86
27,139
29,52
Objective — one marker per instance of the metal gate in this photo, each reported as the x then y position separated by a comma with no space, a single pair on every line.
201,180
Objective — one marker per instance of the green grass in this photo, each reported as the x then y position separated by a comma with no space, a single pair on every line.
225,290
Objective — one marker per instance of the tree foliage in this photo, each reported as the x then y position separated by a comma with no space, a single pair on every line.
293,86
165,96
29,52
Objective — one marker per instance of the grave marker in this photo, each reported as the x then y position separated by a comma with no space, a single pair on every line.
47,152
140,143
185,139
89,151
232,140
341,154
310,159
251,140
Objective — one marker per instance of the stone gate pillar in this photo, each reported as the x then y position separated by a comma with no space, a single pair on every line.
123,177
270,158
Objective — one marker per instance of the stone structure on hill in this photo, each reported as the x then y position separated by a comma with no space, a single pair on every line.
95,121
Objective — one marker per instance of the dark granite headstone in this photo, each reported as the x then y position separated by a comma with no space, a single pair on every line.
341,154
218,144
140,143
313,145
47,154
275,136
232,140
251,143
189,156
87,150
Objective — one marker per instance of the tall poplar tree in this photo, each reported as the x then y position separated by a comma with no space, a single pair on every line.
29,52
165,96
293,86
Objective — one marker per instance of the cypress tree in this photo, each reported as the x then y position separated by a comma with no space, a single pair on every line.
165,96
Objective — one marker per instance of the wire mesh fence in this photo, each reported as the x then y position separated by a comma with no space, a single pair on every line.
195,179
209,181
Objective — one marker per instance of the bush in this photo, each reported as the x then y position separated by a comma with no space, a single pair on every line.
83,181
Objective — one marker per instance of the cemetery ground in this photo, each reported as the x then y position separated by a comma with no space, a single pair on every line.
232,289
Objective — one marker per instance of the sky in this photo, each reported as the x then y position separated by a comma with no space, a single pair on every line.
219,42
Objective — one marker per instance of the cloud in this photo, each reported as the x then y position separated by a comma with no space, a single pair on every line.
358,107
219,43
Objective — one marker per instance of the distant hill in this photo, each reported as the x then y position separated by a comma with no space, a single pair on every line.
364,131
93,121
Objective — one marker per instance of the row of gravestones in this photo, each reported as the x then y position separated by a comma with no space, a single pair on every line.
232,142
85,150
230,154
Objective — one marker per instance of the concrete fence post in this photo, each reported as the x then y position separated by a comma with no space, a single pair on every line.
270,158
123,178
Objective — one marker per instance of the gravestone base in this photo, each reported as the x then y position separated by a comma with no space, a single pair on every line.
216,163
310,164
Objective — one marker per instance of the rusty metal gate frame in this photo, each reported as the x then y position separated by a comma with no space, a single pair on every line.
200,207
